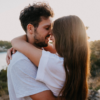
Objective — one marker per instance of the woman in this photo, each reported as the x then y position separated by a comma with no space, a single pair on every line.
67,72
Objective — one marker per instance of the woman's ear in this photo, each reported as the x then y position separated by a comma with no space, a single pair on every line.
30,28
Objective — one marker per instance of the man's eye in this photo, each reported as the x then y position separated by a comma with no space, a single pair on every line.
47,28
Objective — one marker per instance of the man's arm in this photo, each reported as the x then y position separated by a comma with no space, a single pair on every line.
45,95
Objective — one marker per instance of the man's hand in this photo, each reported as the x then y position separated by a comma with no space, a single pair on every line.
9,55
45,95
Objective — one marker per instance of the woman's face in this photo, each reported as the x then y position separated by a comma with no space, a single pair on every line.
52,38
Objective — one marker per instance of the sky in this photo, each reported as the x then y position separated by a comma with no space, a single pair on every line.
87,10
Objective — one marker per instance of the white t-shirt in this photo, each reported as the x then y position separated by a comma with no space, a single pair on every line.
21,75
51,71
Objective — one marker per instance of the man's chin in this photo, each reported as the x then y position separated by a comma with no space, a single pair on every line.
45,45
41,45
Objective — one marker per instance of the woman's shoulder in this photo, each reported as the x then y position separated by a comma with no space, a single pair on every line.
53,62
52,55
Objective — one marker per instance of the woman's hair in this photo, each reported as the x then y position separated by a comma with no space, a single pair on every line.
72,44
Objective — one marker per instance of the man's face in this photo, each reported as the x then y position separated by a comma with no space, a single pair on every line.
42,33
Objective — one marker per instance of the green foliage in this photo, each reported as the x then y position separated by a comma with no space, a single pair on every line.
3,82
3,75
97,62
95,58
5,44
97,88
90,88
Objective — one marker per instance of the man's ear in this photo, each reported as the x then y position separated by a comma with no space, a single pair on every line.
30,28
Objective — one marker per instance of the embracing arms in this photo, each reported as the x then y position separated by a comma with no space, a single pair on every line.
12,51
33,53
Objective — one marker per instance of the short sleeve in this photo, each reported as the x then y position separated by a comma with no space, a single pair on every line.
23,75
51,71
42,66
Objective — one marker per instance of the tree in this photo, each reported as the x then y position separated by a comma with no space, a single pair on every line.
5,44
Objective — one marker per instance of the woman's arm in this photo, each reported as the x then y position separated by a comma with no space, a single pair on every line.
33,53
50,48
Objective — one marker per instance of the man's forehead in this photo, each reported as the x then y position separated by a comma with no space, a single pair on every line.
46,21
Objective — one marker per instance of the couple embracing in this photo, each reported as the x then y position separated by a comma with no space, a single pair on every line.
43,71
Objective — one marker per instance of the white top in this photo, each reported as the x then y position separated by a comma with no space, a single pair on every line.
51,71
21,75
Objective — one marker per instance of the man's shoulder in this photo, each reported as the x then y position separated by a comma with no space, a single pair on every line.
21,63
19,58
19,55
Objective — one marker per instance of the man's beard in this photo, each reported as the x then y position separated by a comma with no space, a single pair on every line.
38,41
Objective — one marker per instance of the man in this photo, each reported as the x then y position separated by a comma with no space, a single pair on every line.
21,73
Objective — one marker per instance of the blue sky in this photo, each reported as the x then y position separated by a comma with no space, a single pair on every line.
87,10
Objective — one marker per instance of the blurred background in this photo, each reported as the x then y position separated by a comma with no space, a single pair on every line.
87,10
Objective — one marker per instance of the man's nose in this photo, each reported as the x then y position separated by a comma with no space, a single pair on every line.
49,32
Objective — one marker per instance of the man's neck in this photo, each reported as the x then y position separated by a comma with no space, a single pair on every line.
34,44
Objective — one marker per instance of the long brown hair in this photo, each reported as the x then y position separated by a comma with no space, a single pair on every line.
72,44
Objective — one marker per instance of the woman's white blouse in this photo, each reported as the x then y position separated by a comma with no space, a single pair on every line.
51,71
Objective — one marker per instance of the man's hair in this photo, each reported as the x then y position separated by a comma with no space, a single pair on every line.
33,13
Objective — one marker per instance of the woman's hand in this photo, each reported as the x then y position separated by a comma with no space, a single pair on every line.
50,48
9,55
